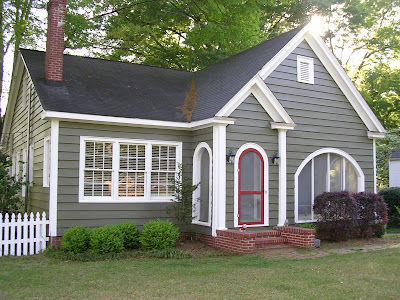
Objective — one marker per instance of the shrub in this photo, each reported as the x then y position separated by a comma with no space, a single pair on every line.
392,198
337,213
130,234
372,212
159,235
76,239
107,239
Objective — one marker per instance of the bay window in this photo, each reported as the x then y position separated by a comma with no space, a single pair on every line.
116,170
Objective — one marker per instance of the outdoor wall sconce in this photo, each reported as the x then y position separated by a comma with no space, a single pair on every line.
230,158
275,159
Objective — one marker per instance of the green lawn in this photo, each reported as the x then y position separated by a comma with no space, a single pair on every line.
361,275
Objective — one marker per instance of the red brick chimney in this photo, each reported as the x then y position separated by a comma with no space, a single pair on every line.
53,67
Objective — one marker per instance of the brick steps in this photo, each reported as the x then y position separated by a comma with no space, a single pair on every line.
265,242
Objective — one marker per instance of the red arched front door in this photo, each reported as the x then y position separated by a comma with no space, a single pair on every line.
251,188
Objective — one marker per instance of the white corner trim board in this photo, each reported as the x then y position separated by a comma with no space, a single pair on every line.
86,118
54,137
236,184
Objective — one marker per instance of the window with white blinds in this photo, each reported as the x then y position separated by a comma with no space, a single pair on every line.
305,69
117,170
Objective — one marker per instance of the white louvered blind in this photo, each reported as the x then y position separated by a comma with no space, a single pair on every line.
132,167
163,169
98,168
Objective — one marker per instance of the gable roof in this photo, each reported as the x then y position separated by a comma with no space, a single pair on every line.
109,88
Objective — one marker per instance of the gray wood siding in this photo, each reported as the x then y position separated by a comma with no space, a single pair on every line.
252,125
38,196
71,212
324,118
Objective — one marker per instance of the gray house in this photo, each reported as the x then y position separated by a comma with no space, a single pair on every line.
264,131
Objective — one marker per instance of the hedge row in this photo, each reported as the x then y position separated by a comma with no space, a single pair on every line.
156,235
344,215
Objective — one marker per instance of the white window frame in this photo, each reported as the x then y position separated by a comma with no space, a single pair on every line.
310,62
198,154
46,161
343,155
115,169
23,175
236,184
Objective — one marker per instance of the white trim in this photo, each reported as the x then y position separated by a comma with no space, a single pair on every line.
236,184
282,176
344,82
283,126
147,198
219,179
283,53
376,135
265,97
31,163
309,61
198,153
54,136
374,163
96,119
355,165
46,160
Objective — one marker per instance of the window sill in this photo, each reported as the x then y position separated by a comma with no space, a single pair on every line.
97,201
206,224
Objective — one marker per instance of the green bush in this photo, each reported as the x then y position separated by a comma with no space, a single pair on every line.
107,239
130,234
159,235
76,239
392,198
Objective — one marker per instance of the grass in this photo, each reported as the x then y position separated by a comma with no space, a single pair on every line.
361,275
393,230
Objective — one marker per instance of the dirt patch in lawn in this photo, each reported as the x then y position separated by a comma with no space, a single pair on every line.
199,249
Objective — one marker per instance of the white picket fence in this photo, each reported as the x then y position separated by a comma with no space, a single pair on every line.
23,235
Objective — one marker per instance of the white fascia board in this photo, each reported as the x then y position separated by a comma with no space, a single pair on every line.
376,135
135,122
282,126
344,82
283,53
13,94
257,87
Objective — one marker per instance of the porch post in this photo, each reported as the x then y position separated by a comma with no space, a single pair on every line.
219,178
282,128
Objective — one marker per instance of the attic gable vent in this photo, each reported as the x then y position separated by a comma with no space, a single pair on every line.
305,69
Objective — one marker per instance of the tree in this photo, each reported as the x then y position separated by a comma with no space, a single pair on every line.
192,34
17,27
381,89
10,186
385,148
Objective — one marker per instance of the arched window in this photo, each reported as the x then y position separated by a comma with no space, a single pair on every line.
202,173
326,170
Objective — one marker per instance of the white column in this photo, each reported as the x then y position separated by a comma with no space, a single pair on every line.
374,154
219,178
53,176
282,176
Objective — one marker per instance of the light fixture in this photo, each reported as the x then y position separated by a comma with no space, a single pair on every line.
230,158
275,159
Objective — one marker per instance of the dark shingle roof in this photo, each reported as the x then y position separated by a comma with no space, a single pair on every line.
109,88
396,154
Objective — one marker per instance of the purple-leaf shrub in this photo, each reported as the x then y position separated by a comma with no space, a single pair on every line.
372,213
337,215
